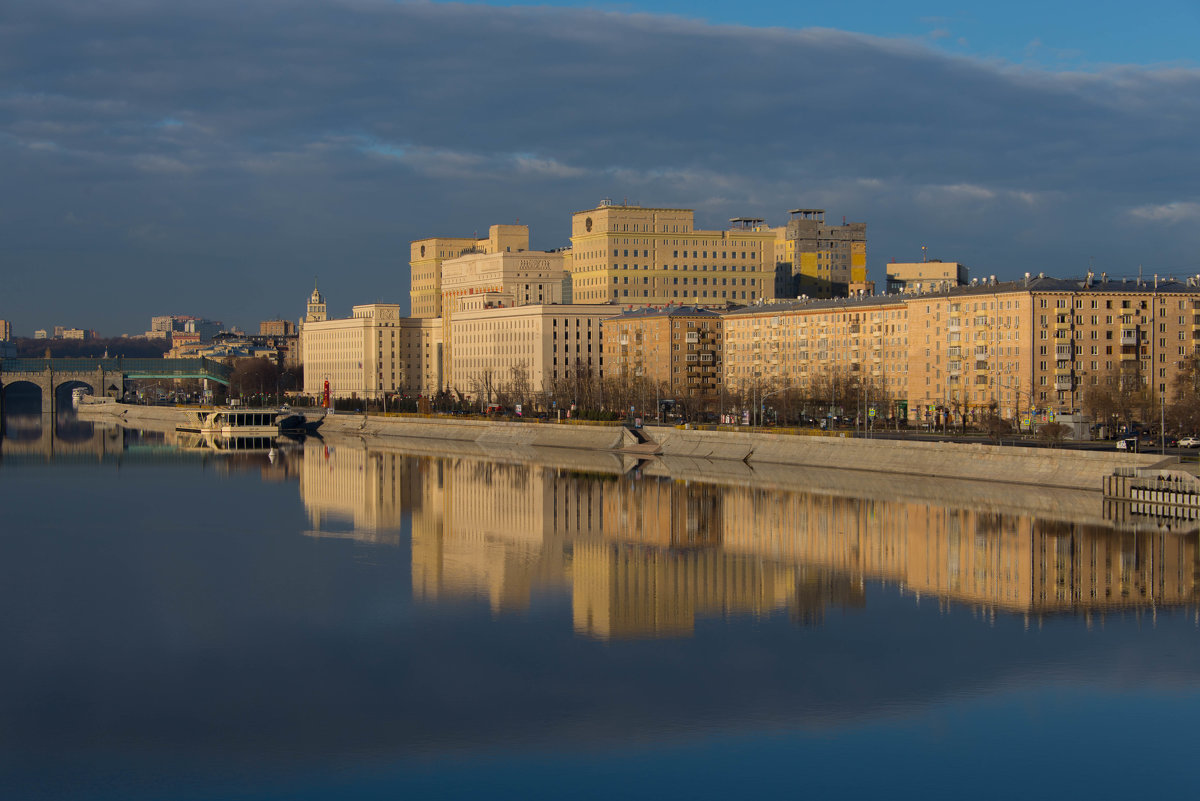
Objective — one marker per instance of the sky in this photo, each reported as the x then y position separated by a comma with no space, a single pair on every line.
215,158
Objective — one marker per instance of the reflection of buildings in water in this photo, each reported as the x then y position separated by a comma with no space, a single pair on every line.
621,590
502,533
645,558
641,558
1010,562
353,492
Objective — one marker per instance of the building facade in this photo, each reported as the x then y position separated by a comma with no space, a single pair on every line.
826,344
925,276
426,257
538,344
503,279
678,349
639,256
5,330
1010,348
361,356
826,261
276,328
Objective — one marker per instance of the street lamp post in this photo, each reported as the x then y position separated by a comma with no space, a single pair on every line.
762,403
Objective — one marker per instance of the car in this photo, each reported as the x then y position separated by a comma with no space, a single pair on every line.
1127,444
1189,442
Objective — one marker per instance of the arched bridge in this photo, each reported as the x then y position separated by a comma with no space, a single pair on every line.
105,376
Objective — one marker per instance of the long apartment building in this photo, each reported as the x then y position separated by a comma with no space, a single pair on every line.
802,342
1039,344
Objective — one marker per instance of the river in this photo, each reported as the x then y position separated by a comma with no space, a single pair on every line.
332,619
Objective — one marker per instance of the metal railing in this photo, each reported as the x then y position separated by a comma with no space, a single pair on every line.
196,367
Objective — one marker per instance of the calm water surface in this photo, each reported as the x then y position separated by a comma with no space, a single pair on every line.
341,621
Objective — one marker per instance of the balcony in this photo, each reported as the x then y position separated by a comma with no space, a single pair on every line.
1129,336
1064,352
1063,383
693,337
981,366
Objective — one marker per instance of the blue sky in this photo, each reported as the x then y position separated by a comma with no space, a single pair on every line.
1066,34
210,157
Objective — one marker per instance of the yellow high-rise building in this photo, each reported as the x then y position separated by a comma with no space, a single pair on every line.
637,256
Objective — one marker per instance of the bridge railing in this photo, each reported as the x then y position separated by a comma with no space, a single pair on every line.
131,368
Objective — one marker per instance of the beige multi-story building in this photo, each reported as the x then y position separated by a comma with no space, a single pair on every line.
1043,343
371,354
675,348
801,344
495,280
925,276
1038,344
426,257
276,328
971,347
639,256
825,260
5,330
538,344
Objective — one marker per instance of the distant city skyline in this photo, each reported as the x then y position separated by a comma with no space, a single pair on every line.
211,158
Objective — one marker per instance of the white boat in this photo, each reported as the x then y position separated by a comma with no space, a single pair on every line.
232,422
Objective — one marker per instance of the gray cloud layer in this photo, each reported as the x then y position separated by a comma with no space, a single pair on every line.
210,158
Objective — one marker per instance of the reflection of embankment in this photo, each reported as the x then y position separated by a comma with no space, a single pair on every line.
38,437
645,557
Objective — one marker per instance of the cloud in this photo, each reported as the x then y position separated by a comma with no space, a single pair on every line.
1170,213
321,136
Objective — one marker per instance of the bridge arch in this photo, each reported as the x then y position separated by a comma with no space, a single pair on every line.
22,387
63,389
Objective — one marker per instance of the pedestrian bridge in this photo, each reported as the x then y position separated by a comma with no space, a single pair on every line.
105,377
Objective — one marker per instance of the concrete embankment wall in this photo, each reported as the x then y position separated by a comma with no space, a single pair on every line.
1070,469
1057,468
488,434
153,417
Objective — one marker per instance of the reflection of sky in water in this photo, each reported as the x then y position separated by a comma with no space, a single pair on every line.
390,626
